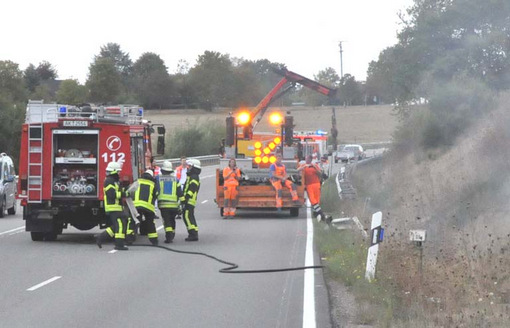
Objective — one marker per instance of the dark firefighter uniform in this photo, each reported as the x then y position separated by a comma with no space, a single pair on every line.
112,196
144,200
191,189
170,193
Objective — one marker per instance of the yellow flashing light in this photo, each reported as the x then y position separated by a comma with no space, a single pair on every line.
258,160
243,118
277,140
258,144
267,150
275,118
272,159
258,152
272,146
265,159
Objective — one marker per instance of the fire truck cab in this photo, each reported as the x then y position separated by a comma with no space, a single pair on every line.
64,153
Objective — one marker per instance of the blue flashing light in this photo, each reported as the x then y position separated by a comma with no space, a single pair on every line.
63,109
140,111
381,235
321,132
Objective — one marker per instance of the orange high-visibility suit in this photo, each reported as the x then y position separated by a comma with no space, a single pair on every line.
278,177
230,189
313,186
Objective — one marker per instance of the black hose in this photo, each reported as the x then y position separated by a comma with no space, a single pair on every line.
232,266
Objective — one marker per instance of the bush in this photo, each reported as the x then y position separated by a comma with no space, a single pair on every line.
453,108
196,139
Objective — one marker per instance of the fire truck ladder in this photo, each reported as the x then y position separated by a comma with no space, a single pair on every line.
35,156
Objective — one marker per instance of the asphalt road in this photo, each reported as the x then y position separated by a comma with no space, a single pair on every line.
73,283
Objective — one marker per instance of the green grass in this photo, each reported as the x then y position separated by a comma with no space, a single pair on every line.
344,254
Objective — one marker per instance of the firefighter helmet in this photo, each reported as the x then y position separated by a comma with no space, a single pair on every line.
113,168
193,162
150,172
167,166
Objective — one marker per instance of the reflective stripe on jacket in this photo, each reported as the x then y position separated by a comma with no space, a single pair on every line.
145,195
111,195
170,192
191,190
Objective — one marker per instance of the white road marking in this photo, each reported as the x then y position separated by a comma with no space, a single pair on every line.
9,231
14,233
31,289
113,251
159,228
207,176
309,288
205,201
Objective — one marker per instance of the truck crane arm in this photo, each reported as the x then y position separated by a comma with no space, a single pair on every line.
276,92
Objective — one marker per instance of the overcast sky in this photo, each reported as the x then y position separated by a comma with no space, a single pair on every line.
303,35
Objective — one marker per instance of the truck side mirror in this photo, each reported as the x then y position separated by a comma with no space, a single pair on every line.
161,145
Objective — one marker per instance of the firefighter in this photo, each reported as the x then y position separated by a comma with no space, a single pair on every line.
170,193
113,208
190,198
278,177
313,174
231,177
145,198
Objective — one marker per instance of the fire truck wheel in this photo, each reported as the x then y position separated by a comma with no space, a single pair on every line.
37,236
3,208
294,211
50,236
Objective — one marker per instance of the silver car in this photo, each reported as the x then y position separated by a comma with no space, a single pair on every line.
350,153
7,185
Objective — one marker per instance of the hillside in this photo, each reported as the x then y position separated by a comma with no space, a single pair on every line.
460,197
355,123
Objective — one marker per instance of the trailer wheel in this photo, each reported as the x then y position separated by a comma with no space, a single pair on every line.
294,211
37,236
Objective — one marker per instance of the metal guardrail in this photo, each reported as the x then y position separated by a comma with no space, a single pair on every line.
206,160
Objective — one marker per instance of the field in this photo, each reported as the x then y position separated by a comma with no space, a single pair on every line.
355,124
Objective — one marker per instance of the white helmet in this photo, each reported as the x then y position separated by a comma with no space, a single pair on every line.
113,167
193,162
167,166
150,172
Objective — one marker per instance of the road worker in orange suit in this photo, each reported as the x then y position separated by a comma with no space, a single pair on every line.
278,177
231,177
313,175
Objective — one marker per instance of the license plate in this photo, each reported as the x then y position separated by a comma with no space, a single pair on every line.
76,123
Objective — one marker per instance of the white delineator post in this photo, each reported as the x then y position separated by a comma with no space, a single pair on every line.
376,238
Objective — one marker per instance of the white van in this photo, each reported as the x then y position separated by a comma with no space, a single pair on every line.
7,185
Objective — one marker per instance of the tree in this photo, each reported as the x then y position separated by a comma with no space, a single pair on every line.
12,106
153,85
71,92
212,80
11,82
184,91
104,81
121,60
46,71
350,91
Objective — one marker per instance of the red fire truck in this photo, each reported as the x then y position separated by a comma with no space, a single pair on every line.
64,153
